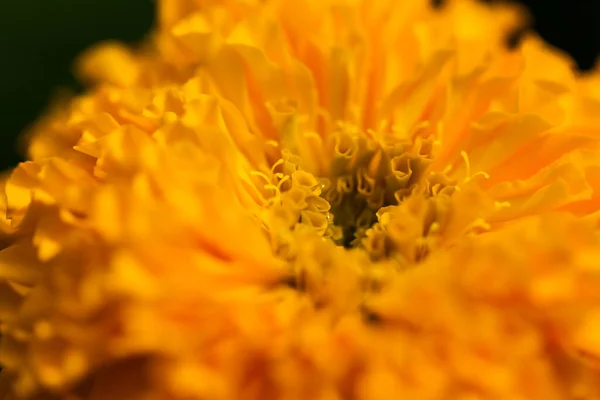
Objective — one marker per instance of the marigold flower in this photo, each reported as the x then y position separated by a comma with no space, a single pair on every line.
313,199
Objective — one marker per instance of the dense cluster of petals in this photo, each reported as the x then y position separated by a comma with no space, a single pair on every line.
309,199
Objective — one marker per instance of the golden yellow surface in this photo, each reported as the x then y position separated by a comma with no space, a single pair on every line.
310,200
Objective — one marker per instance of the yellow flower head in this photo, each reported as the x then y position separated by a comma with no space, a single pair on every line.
311,199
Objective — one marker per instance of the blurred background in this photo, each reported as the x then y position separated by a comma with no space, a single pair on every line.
40,38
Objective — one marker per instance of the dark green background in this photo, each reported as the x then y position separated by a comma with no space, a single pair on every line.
40,38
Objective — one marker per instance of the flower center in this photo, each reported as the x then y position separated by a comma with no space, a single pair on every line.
367,175
372,193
